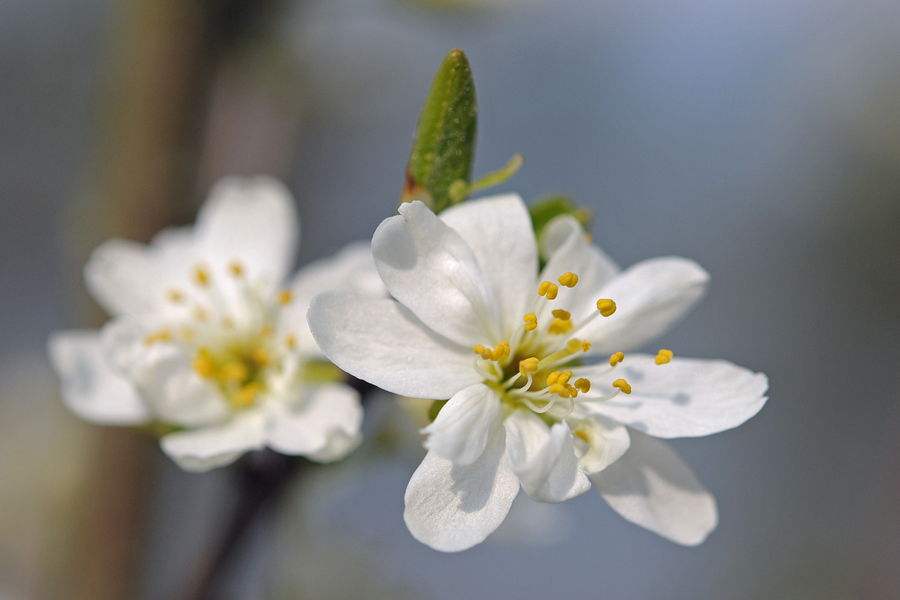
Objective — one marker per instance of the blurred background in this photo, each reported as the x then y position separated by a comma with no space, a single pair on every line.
760,138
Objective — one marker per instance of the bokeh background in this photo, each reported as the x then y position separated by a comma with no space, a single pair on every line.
760,138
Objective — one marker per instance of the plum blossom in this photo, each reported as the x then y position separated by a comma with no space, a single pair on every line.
209,336
541,394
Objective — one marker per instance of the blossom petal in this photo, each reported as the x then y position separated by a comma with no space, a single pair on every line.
460,431
164,377
498,230
125,278
252,220
606,442
452,508
210,447
350,270
325,427
651,297
89,387
431,270
382,342
653,487
565,242
687,397
544,458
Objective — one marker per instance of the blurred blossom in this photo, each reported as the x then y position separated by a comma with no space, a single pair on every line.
209,340
524,410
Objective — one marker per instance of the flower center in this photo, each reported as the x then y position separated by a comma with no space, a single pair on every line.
229,330
531,368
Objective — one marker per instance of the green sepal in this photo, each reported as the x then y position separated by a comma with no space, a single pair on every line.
459,190
435,409
444,144
548,208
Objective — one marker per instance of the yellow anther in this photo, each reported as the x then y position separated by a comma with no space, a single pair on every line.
585,346
501,350
559,326
606,306
187,334
228,322
562,314
568,279
484,352
561,389
616,359
290,341
285,296
163,335
549,290
622,385
234,372
553,377
176,296
201,314
584,385
201,276
664,356
267,331
528,365
530,322
204,363
565,377
574,345
261,357
236,268
245,396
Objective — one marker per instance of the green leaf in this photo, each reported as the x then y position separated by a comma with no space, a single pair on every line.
444,144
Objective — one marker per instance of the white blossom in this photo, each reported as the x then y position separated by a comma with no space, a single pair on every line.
516,354
209,337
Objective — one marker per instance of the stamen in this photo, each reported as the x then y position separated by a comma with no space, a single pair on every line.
176,296
163,335
187,334
234,372
228,322
622,385
501,350
583,384
236,268
201,276
549,290
528,365
606,306
530,322
245,396
290,341
559,326
616,359
585,345
284,297
267,331
568,279
261,357
204,363
664,356
201,314
574,345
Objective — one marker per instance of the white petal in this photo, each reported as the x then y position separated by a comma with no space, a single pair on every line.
325,427
564,241
687,397
90,388
651,297
252,220
544,458
653,487
460,431
125,278
172,389
210,447
606,442
428,267
350,270
452,508
382,342
499,232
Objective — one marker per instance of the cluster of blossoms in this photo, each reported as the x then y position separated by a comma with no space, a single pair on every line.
472,321
209,336
211,340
